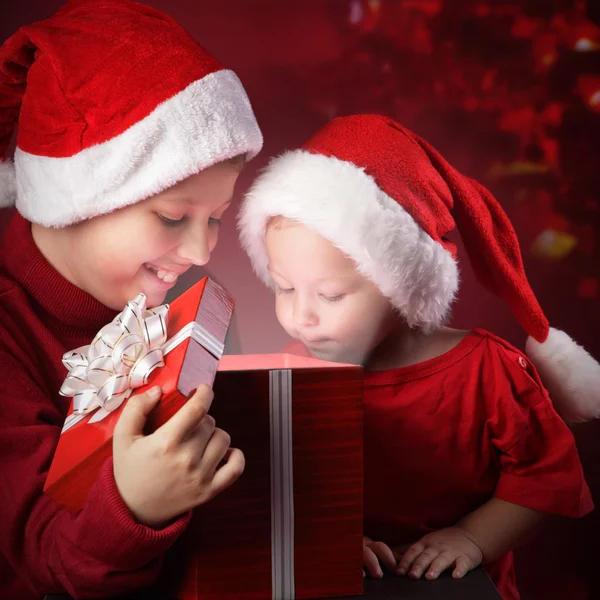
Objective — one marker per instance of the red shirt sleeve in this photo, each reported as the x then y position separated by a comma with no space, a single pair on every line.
539,463
99,550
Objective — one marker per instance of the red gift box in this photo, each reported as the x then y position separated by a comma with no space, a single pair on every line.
177,347
291,526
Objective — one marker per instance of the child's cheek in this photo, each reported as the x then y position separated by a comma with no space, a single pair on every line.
107,260
161,244
344,326
283,311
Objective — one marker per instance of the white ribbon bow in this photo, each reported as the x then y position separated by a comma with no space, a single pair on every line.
123,355
120,358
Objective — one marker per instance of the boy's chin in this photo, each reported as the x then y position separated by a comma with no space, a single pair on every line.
154,300
154,296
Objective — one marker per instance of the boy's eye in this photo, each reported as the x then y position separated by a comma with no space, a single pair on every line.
172,222
334,298
214,221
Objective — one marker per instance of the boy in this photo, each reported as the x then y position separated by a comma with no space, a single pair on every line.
130,142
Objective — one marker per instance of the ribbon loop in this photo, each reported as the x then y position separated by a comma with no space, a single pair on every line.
120,358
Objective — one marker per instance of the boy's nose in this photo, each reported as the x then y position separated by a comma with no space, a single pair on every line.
195,248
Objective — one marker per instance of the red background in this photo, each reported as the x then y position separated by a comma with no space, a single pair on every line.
503,88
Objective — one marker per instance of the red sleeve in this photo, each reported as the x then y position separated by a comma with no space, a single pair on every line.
99,550
539,463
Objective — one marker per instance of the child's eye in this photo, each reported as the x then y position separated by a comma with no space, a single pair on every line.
172,222
280,290
214,221
334,298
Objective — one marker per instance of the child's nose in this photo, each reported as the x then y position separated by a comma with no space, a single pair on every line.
195,247
304,312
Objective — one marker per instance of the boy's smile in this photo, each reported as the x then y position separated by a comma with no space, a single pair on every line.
167,275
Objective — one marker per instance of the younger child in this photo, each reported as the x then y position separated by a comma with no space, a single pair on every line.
130,142
464,452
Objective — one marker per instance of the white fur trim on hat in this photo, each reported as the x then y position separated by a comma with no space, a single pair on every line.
8,186
343,204
211,120
570,373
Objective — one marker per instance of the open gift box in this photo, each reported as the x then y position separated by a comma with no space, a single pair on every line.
291,526
177,347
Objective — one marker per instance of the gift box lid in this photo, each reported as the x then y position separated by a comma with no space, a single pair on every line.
272,362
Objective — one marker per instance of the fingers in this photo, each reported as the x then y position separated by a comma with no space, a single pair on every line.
409,557
229,472
199,437
419,559
371,563
385,555
463,566
376,554
213,452
422,562
133,418
399,552
440,564
186,419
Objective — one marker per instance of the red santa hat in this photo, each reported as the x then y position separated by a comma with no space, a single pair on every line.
115,102
387,199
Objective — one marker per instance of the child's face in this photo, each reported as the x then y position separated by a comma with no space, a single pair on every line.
146,246
321,299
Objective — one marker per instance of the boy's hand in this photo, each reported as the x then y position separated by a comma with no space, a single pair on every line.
376,554
437,551
165,474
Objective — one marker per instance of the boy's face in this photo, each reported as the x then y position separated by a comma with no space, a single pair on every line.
321,299
146,246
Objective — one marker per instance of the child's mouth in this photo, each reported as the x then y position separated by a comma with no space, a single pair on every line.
165,276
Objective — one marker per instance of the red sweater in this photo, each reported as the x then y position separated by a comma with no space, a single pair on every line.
101,550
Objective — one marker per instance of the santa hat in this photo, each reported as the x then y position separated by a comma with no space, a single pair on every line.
387,199
115,102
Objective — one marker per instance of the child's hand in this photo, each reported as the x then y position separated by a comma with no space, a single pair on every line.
167,473
376,554
439,550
